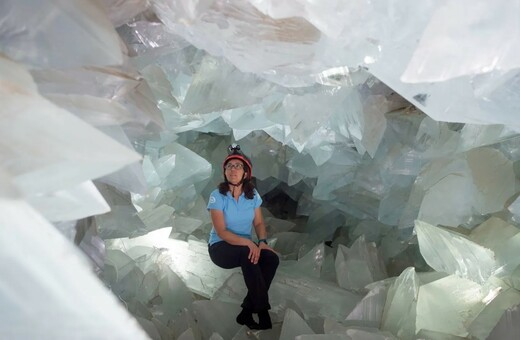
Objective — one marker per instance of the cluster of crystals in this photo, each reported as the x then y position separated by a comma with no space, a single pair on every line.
382,137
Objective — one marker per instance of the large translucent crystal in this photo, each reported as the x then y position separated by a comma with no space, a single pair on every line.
310,264
469,182
502,238
284,42
47,280
217,316
66,205
401,303
354,332
52,146
358,265
190,260
370,309
497,302
457,42
447,305
52,25
215,76
293,325
452,253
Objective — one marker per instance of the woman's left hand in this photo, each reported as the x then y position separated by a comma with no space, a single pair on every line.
263,245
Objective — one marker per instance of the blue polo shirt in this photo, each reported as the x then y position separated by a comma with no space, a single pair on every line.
237,215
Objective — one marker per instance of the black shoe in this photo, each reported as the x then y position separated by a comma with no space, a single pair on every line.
265,320
246,318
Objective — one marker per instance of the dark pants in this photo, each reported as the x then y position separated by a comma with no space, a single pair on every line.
258,277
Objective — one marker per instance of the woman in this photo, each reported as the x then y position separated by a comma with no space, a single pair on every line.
234,208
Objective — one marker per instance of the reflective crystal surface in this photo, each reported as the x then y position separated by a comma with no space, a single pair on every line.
45,275
293,325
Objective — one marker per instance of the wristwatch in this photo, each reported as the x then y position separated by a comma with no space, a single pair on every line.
262,240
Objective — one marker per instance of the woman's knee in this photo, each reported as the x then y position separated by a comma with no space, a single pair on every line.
270,257
243,255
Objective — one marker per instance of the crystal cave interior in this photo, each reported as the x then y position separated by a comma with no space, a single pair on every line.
383,139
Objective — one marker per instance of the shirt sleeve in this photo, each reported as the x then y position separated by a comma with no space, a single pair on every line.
216,201
257,199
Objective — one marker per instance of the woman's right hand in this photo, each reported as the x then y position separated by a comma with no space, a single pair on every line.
254,252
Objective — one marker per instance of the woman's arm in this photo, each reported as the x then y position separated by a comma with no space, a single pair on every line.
217,217
258,223
261,231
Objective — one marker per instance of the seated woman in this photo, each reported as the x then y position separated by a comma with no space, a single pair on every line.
234,208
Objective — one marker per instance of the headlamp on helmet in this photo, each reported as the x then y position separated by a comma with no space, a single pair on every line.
235,153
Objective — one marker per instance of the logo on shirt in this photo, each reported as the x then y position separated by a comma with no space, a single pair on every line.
212,199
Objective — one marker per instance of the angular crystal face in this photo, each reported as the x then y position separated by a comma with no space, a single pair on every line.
45,271
66,22
435,60
370,309
450,300
359,265
452,253
294,325
399,314
217,316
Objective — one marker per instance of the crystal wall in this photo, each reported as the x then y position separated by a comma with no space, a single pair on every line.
384,143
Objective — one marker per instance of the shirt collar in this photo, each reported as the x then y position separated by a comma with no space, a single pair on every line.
229,194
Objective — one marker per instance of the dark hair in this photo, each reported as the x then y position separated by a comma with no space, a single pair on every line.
247,185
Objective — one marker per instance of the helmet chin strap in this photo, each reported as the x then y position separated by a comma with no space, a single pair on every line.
236,185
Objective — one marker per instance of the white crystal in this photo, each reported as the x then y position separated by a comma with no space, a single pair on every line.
216,316
452,253
401,302
63,21
293,325
498,301
46,272
447,305
60,142
190,260
371,307
81,201
310,264
460,41
358,265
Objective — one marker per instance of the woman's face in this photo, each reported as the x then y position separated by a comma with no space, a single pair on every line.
234,171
